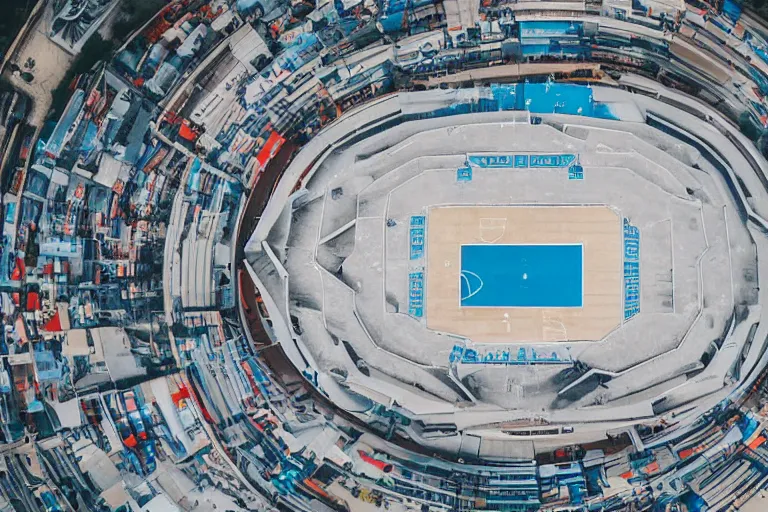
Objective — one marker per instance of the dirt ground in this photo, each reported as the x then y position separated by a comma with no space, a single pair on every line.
51,64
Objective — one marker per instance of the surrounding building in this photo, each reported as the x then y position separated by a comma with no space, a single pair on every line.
221,285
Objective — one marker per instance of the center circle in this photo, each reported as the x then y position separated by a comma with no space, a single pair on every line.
525,276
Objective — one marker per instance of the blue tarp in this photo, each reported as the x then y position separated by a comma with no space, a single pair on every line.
392,22
194,176
10,213
603,111
532,50
748,425
245,6
539,29
694,502
759,78
65,123
553,48
91,137
761,53
759,107
128,61
548,98
505,95
394,6
147,155
47,368
304,48
732,10
553,98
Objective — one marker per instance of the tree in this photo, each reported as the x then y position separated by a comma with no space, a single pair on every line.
748,127
133,15
762,143
15,13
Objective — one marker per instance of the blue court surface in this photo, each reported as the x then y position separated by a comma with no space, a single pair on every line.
523,276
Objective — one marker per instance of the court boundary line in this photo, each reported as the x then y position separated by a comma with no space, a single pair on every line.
425,264
622,261
525,244
472,294
564,331
503,229
521,205
580,342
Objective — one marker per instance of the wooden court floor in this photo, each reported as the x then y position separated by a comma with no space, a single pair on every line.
598,228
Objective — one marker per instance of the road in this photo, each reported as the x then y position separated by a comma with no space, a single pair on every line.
262,192
257,200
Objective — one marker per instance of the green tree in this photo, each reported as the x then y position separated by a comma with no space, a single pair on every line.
748,127
15,13
133,15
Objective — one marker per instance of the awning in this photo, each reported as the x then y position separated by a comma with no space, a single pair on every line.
270,149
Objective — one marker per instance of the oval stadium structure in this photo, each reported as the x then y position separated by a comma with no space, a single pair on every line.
367,260
404,255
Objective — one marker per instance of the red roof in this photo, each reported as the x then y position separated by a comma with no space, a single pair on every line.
186,132
54,324
33,301
270,149
19,271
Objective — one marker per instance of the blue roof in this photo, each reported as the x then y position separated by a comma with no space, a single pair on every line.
732,10
539,29
550,98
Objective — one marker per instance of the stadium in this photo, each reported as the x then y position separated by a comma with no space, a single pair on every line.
511,279
400,255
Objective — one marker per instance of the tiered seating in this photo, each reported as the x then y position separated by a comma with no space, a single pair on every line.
631,270
464,174
417,236
521,161
575,172
416,294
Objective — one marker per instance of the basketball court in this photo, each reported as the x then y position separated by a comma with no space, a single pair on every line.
524,273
